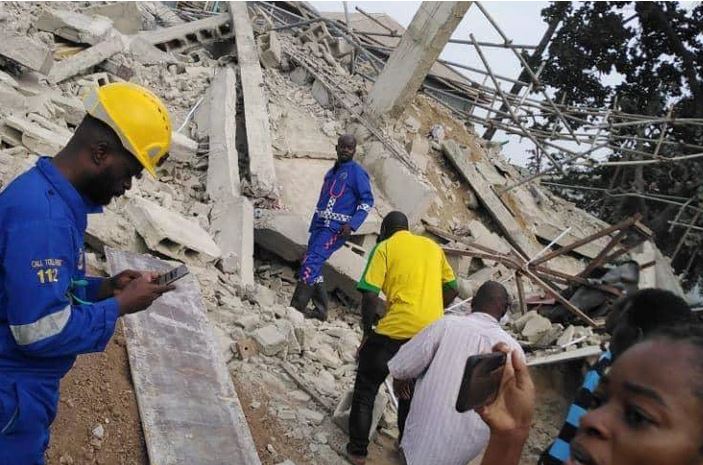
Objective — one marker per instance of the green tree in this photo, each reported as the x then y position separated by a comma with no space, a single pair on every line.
656,51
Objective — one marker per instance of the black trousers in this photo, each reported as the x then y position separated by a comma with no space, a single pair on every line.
371,373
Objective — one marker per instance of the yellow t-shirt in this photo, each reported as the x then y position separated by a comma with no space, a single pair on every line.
410,270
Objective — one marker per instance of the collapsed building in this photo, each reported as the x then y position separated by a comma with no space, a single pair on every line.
258,93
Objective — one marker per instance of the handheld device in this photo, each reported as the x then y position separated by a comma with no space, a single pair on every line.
172,275
481,381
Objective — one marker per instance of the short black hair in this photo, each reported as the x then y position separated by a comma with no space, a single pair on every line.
685,333
393,222
92,130
651,309
491,297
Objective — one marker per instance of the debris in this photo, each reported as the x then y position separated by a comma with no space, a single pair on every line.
270,340
191,372
86,59
36,138
74,26
125,16
25,51
232,227
341,413
98,432
186,36
183,149
261,168
270,52
223,166
171,234
246,348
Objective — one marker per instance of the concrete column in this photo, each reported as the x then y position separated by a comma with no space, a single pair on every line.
410,62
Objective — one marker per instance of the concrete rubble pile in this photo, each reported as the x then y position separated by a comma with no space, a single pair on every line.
245,169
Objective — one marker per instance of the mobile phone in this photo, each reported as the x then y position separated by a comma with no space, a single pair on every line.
481,381
172,275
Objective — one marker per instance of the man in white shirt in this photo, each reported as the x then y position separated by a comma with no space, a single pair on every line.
435,433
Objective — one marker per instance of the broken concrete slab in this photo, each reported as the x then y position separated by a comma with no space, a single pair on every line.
300,135
147,54
403,189
261,168
286,235
482,236
186,36
112,229
270,52
232,226
26,51
36,138
515,233
74,26
187,401
223,183
171,234
125,16
86,59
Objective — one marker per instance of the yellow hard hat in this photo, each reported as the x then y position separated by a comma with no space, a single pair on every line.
138,117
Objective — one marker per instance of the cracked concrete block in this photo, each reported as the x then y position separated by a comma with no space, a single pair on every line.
125,16
270,340
86,59
340,417
72,107
36,138
536,326
74,26
270,52
113,230
26,51
171,234
186,36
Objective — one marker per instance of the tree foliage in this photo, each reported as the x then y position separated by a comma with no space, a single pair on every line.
647,57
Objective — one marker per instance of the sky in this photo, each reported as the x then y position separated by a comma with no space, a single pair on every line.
521,21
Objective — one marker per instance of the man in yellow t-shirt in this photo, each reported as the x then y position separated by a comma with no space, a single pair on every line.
413,274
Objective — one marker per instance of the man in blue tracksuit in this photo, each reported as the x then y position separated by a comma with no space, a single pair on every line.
344,204
49,310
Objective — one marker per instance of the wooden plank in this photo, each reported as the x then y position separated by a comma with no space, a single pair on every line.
516,234
189,408
583,352
256,119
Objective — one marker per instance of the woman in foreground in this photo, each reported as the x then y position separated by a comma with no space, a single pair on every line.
649,408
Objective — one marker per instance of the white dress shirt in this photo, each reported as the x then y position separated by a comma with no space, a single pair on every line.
435,433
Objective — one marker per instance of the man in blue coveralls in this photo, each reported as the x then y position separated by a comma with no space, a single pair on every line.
344,203
49,310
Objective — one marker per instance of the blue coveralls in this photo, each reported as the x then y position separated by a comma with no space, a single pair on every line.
346,197
43,324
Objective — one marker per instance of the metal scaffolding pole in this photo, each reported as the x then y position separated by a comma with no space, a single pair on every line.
510,110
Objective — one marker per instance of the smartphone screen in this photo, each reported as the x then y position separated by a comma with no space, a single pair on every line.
172,275
481,381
